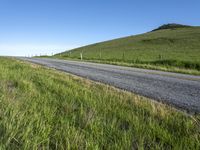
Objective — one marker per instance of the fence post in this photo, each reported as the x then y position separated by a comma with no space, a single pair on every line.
100,54
81,56
160,57
123,56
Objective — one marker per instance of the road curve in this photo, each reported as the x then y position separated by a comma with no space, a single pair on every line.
179,90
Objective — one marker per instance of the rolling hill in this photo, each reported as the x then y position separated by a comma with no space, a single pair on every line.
170,45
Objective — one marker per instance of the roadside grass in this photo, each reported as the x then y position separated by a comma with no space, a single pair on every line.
43,108
169,48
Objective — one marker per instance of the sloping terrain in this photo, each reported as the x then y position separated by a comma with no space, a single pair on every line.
170,46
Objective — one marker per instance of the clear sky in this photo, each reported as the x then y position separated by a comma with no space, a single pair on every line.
29,27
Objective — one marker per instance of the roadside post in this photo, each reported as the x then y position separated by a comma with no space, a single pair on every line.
81,54
100,54
123,56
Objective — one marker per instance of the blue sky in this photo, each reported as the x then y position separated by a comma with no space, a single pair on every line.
29,27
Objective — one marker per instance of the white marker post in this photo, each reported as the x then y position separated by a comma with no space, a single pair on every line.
81,56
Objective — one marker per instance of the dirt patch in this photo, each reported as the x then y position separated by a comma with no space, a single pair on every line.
34,66
11,86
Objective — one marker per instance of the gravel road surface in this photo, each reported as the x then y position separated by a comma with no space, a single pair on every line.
179,90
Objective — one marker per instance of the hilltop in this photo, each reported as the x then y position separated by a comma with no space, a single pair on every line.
171,26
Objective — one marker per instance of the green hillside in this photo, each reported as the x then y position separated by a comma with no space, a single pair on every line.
170,45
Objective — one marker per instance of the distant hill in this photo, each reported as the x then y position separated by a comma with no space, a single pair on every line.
170,45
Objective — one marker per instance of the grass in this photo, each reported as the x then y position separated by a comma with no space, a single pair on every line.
42,108
164,48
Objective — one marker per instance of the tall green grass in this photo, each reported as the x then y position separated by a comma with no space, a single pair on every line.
176,47
45,109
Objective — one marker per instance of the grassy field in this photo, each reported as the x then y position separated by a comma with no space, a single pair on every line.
42,108
164,48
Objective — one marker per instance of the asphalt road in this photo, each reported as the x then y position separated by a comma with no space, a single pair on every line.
179,90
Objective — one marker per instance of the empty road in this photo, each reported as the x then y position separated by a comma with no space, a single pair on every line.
179,90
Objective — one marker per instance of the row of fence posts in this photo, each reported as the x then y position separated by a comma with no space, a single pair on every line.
35,55
100,55
160,57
